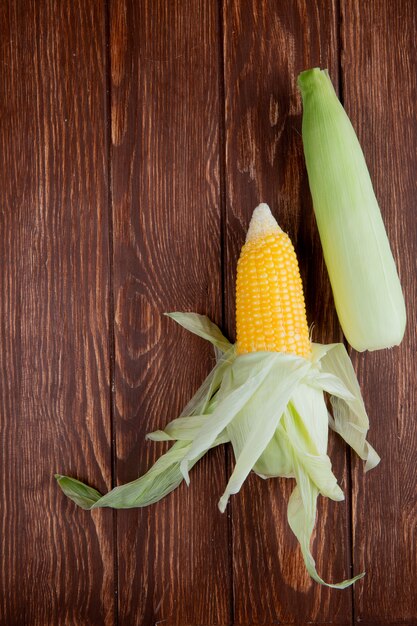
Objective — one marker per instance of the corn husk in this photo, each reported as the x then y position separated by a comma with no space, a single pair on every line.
363,275
270,406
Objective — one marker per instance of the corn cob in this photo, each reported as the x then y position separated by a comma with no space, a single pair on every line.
270,309
365,283
264,396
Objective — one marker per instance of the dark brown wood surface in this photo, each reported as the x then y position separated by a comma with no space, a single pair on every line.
380,90
136,137
167,257
57,561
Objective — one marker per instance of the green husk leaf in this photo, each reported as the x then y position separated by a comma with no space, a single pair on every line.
307,428
333,386
318,351
254,427
271,407
78,492
199,403
202,326
366,288
309,418
238,386
162,478
180,429
350,419
302,507
276,459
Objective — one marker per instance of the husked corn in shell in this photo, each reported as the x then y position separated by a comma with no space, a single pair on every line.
270,309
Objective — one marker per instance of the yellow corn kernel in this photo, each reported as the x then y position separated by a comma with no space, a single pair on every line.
270,309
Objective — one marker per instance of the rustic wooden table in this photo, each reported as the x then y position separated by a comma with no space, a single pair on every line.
136,138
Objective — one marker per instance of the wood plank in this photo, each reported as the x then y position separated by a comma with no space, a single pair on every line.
266,45
56,560
380,82
173,556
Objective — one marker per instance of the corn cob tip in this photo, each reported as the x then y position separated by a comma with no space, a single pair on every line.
308,76
315,79
270,310
262,223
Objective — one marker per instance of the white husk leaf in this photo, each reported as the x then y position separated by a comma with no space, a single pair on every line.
306,426
202,326
350,419
270,406
301,514
254,427
238,386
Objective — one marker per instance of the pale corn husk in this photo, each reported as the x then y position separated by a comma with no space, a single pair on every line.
270,406
364,279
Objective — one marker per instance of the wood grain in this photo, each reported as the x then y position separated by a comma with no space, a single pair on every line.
108,218
173,556
266,45
56,560
380,86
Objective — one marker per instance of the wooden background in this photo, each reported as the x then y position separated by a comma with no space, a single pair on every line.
136,138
